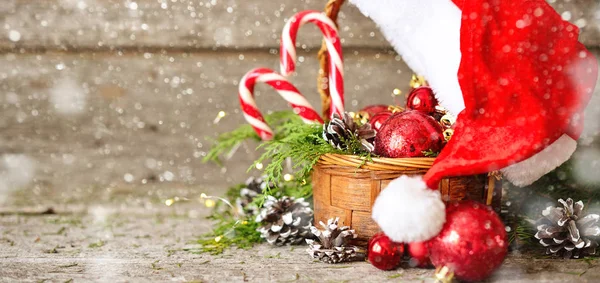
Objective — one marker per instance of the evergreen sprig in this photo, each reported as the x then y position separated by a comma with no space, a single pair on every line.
430,153
232,230
228,141
304,146
241,234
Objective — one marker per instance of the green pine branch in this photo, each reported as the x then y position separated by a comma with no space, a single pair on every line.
226,142
430,153
241,234
302,144
231,230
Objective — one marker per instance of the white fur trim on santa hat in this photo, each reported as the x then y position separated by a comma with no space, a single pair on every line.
407,211
426,33
530,170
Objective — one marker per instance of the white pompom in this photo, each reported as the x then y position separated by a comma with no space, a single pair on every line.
407,211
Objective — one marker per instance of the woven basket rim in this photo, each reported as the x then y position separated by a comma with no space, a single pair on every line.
376,163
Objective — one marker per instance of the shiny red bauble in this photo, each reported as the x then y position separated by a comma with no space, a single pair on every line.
384,253
419,254
472,243
379,119
422,99
408,134
372,110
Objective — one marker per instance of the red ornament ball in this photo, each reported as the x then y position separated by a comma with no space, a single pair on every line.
408,134
383,253
422,99
375,109
379,119
419,254
472,243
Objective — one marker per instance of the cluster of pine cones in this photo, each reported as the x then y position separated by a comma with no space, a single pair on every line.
288,221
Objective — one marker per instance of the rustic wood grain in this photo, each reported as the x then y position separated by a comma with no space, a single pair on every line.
143,240
364,225
63,24
190,25
351,193
375,190
323,213
148,114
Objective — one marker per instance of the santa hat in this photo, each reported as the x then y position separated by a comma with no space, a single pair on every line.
515,75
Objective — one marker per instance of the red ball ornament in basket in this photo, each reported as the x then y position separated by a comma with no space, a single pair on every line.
373,110
408,134
379,119
422,99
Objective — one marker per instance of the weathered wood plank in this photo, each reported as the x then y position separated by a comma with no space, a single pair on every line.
129,237
72,24
145,116
150,24
141,117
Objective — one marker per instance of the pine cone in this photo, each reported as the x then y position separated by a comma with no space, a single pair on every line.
341,130
332,244
566,232
285,221
254,187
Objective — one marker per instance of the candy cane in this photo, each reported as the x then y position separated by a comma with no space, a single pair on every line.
251,113
334,50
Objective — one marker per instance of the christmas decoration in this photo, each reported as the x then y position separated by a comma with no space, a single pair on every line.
372,110
384,253
448,133
419,254
472,242
340,131
417,81
251,113
285,221
408,134
473,66
334,50
253,187
447,120
566,232
496,103
379,119
332,244
422,99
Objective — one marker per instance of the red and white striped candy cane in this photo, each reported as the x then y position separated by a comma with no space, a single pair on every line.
298,102
334,50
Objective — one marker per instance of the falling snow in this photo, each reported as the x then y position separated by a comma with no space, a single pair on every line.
100,97
139,74
67,96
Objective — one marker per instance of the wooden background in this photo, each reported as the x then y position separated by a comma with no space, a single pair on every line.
150,76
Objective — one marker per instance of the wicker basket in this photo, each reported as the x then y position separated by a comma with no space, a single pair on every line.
346,186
